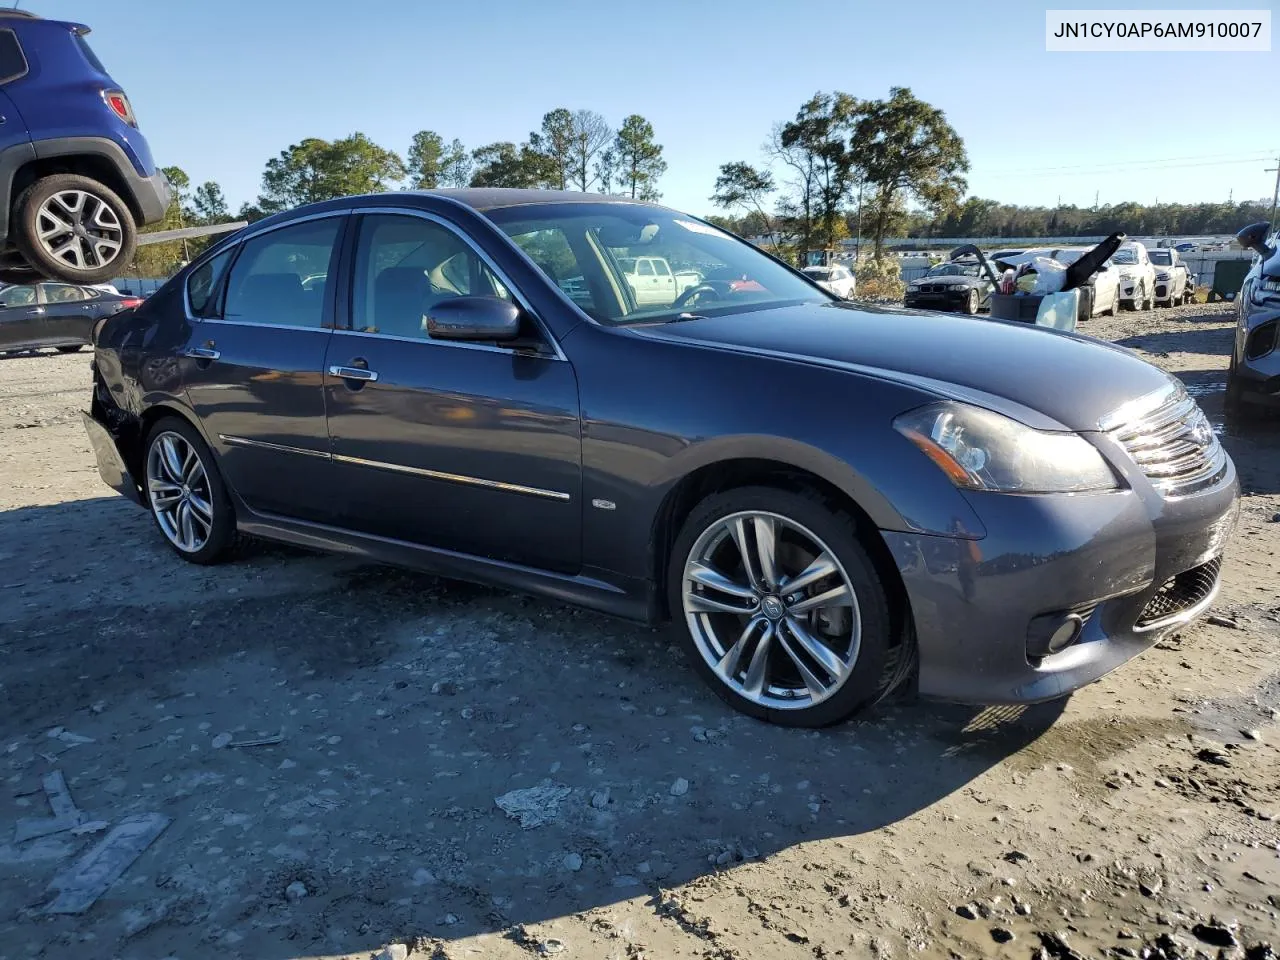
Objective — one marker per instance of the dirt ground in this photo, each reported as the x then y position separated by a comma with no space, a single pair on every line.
1138,818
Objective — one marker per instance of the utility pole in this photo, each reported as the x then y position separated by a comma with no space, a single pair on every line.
1275,194
1095,200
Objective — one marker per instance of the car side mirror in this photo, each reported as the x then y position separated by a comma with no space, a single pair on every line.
1254,237
489,319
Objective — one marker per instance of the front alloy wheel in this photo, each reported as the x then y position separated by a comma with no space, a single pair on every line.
787,623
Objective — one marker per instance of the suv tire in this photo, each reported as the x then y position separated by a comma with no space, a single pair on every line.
88,210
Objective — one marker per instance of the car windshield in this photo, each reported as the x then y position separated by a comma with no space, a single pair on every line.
1125,255
711,272
1163,257
954,270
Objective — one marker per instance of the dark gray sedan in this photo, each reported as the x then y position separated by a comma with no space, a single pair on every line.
829,501
59,315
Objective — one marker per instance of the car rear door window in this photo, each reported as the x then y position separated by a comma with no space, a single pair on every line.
266,282
404,266
62,293
17,296
13,63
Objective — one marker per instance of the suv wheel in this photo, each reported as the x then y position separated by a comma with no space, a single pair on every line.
782,611
74,229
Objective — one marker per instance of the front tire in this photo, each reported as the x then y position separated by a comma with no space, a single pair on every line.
186,495
971,304
74,229
780,607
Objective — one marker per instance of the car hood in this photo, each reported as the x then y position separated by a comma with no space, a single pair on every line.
1046,378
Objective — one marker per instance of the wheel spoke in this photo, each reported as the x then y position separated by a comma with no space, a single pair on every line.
203,509
738,530
163,501
105,218
766,546
758,670
812,683
728,665
823,655
185,525
710,577
72,247
835,597
58,227
701,603
73,209
170,459
821,568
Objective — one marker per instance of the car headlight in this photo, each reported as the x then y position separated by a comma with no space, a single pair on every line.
981,450
913,287
1162,275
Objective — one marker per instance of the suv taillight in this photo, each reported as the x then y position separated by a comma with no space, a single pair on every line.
119,105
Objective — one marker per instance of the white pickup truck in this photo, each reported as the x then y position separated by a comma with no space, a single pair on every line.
654,282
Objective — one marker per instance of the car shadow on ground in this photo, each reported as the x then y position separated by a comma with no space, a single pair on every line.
1201,338
408,705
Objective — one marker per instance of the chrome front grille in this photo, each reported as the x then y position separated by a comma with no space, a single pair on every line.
1171,441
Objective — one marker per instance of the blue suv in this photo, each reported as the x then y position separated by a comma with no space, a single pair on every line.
76,177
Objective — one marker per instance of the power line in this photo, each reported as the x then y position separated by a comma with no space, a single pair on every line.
1087,173
1120,166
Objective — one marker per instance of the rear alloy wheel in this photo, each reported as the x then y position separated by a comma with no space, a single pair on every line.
1115,304
784,614
186,495
74,229
971,303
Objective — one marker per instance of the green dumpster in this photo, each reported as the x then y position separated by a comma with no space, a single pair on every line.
1228,277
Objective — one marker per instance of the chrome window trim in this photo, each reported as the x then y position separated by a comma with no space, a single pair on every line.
463,344
264,326
559,495
235,249
497,271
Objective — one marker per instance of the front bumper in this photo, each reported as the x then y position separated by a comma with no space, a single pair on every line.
1259,378
948,300
1103,555
111,466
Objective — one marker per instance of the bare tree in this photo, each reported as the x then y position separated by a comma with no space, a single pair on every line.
591,135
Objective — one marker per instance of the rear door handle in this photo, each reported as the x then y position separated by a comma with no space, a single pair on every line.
352,373
203,353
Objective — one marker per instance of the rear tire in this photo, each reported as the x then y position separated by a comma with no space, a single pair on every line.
73,229
752,641
186,494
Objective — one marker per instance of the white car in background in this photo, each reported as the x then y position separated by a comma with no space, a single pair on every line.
654,282
1137,275
836,278
1106,282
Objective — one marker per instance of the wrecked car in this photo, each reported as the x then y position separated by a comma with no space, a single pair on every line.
828,501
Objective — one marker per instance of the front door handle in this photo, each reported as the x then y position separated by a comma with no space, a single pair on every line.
353,373
203,353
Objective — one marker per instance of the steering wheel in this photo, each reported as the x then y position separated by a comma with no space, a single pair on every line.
696,291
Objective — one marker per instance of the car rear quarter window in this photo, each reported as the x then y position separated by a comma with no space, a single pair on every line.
266,282
203,284
89,55
13,63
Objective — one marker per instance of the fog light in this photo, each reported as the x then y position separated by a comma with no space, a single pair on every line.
1053,632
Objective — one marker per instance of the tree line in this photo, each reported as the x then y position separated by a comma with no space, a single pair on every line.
570,150
841,166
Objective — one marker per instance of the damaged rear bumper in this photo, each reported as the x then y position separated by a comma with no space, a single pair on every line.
111,466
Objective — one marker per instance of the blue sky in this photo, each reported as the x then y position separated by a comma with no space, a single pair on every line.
220,87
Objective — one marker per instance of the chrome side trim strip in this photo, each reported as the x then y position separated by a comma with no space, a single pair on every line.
452,477
265,445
